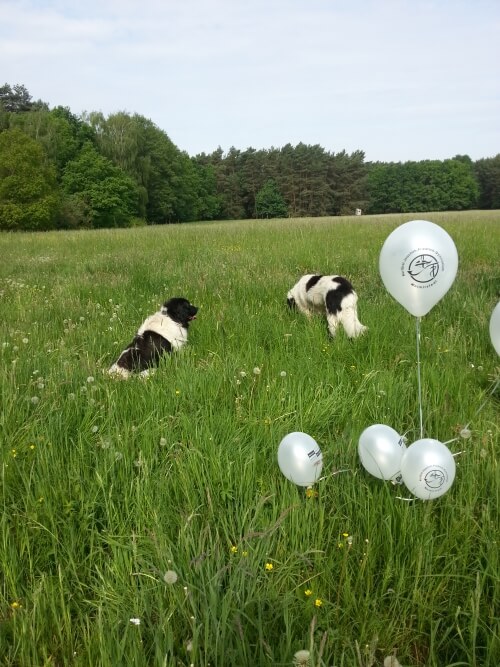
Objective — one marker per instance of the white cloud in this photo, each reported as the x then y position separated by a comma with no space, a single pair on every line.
398,79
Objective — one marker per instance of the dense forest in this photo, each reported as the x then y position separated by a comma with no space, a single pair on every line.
62,171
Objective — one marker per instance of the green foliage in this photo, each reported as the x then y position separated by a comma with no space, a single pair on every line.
311,181
104,194
171,187
15,99
155,181
269,203
28,190
429,185
60,133
488,176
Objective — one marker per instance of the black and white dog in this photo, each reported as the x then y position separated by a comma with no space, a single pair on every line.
159,334
333,295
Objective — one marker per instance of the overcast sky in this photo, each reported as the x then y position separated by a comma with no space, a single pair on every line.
399,79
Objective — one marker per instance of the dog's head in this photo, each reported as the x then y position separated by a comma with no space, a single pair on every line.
180,310
290,300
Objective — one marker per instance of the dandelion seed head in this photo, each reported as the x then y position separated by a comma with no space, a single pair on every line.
283,374
95,429
163,442
301,658
465,433
26,341
256,371
90,379
34,399
170,577
391,661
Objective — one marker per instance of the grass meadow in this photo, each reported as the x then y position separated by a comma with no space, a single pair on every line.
147,522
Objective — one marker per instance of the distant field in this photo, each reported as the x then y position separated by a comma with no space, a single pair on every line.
148,523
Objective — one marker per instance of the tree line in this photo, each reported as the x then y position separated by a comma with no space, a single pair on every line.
59,170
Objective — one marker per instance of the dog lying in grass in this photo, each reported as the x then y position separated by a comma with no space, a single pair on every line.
159,334
332,295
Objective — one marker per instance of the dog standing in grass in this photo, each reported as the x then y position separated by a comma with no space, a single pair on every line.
331,295
161,333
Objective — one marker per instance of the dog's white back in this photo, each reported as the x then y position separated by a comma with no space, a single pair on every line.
164,326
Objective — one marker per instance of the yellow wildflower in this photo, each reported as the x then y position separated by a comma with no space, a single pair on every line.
318,602
269,567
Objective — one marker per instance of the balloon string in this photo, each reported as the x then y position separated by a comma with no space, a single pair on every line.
419,380
492,391
332,474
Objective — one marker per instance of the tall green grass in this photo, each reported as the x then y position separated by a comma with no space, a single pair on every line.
107,485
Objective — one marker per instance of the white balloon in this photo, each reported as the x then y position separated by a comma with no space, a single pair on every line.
428,468
495,328
380,449
418,264
300,458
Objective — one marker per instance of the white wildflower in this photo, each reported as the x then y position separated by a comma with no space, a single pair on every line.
135,621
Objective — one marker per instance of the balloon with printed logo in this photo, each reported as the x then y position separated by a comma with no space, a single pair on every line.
380,449
495,328
418,264
428,468
300,458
